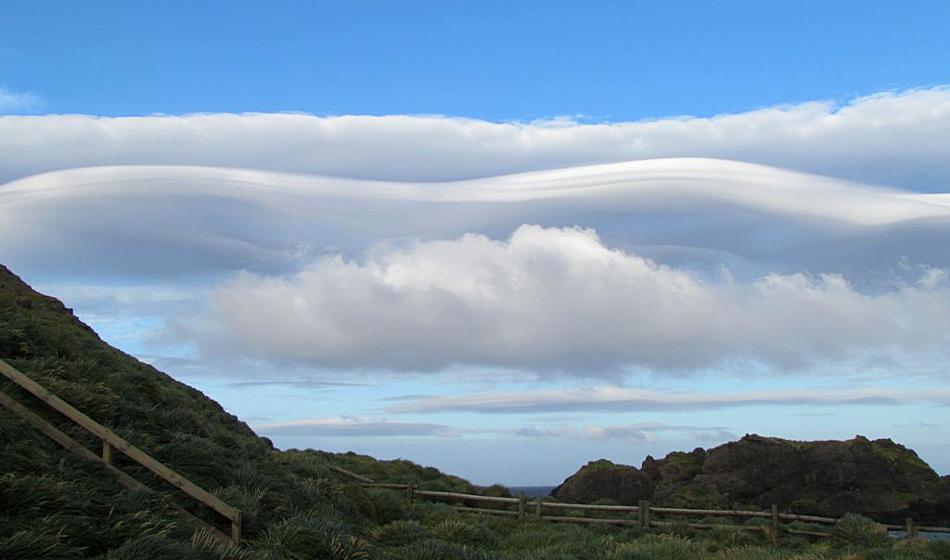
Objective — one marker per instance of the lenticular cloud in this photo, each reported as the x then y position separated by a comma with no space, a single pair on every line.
559,300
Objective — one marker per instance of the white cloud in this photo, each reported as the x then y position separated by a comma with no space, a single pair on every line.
347,426
890,138
558,300
638,433
16,101
150,223
619,399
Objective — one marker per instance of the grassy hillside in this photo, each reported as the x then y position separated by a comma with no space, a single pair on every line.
55,506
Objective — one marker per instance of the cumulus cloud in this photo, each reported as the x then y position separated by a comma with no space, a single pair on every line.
619,399
889,138
348,426
560,300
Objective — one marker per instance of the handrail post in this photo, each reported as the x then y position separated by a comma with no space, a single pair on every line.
911,528
106,452
645,514
774,525
410,492
538,509
236,528
522,502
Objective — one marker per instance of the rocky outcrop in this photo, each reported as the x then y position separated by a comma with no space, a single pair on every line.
879,478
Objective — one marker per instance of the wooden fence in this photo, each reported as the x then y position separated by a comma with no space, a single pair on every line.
643,515
111,442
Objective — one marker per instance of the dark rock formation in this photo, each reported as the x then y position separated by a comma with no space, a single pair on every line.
879,478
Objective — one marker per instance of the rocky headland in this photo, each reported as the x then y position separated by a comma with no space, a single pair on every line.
880,478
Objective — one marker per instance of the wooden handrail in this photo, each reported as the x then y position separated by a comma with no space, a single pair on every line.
712,512
473,497
595,507
351,474
115,442
72,445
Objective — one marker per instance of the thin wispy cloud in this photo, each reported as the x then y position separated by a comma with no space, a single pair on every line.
14,101
617,399
646,432
347,426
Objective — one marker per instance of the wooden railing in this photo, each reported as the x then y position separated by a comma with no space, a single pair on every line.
110,442
644,517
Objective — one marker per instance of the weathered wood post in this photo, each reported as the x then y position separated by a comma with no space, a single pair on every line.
106,452
236,528
911,528
522,503
538,507
645,514
774,525
410,492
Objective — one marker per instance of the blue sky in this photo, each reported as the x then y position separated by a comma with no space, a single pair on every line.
503,240
491,60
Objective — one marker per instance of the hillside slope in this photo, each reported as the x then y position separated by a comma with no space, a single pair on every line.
53,502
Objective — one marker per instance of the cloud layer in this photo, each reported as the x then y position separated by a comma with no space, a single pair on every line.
896,139
345,426
618,399
642,432
559,300
196,222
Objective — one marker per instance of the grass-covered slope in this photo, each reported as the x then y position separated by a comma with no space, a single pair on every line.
52,501
54,506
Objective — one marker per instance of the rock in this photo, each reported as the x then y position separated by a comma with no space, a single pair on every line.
604,479
880,479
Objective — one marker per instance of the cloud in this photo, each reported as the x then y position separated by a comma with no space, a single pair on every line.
891,138
140,225
617,399
345,426
556,300
16,101
638,433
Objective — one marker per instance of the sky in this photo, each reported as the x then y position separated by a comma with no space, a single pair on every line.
502,240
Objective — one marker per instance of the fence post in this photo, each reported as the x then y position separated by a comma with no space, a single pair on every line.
538,509
106,452
410,492
236,528
911,528
774,525
645,514
522,502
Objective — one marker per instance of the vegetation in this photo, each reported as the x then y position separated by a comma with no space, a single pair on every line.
56,506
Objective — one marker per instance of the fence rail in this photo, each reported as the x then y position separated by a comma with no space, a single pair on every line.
644,512
110,442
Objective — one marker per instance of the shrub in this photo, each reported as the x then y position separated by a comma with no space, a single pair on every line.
152,547
860,531
399,533
749,553
381,506
464,532
435,549
37,545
